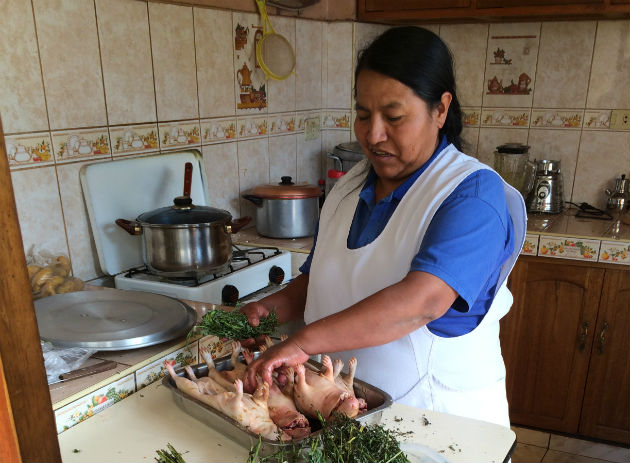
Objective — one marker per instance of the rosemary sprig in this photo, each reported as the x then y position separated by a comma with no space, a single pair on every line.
169,456
233,325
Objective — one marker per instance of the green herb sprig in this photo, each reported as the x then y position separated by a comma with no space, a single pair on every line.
233,325
169,456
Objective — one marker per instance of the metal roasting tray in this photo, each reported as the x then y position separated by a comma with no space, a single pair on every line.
377,401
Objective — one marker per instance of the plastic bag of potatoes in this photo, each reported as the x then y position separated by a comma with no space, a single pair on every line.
53,278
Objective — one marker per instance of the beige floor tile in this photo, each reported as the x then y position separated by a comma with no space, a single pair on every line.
554,456
525,453
590,449
531,436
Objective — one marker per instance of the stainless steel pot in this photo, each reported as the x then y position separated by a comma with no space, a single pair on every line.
184,240
346,155
285,210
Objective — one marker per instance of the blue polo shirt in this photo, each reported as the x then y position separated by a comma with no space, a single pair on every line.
469,238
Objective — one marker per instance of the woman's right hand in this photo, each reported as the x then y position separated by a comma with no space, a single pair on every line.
254,311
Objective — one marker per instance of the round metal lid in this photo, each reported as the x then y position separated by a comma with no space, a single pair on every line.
349,151
192,215
112,319
513,148
286,189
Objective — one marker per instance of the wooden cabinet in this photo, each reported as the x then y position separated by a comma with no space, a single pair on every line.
418,11
566,348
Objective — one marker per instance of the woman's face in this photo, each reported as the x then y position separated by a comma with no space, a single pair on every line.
396,129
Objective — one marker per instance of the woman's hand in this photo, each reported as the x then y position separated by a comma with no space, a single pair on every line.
254,311
284,354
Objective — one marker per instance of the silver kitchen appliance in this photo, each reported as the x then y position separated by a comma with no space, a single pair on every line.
547,194
619,198
346,155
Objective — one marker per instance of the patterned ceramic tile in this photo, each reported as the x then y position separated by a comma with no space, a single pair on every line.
27,150
336,120
504,117
471,117
73,145
123,29
308,64
221,167
217,347
302,116
249,78
218,130
338,38
175,73
530,246
251,127
134,139
511,64
557,118
568,248
215,66
309,154
470,140
282,123
611,66
564,63
365,33
253,168
177,135
281,93
155,370
615,252
93,403
22,102
282,158
71,63
597,119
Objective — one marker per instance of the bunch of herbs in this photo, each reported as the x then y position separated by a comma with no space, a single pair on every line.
233,325
169,456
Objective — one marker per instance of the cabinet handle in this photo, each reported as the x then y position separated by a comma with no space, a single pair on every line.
582,337
602,338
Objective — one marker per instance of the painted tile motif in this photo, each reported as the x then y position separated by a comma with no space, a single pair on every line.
24,150
88,406
134,139
559,119
569,248
508,64
218,130
530,246
503,117
250,127
471,116
155,370
597,119
80,144
251,86
336,120
302,117
217,347
614,252
179,134
281,123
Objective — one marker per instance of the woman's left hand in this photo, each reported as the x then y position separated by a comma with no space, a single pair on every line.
284,354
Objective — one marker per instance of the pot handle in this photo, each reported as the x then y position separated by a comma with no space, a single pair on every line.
235,225
133,228
257,200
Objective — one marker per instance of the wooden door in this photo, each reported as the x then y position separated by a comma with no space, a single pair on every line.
606,409
398,5
546,341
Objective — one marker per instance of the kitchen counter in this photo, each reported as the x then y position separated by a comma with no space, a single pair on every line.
132,430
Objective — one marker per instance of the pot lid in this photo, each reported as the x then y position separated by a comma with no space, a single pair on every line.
513,148
184,215
350,151
286,189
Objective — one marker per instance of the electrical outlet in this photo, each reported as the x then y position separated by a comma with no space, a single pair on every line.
620,119
311,128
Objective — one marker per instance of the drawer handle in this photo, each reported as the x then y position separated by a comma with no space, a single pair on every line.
582,337
602,338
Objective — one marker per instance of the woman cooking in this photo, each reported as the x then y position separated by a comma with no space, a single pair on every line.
413,249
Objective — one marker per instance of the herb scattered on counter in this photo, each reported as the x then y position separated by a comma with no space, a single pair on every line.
397,419
425,421
76,451
233,325
342,440
169,456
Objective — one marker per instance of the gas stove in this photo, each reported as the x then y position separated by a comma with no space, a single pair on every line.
252,273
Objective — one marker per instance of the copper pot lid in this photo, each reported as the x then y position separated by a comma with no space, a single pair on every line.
286,189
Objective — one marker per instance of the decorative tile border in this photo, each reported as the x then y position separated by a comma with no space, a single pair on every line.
26,150
615,252
217,347
282,123
336,120
302,116
74,145
530,246
505,117
569,248
251,127
471,117
557,118
93,403
155,370
218,130
134,139
597,119
179,134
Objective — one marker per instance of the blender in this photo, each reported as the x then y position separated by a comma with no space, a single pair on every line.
511,161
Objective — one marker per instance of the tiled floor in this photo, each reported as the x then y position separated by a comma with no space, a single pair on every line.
537,446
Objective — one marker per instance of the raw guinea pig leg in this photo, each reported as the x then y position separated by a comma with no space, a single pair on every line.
213,372
183,384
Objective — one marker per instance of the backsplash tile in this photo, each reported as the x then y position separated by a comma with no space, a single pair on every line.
282,158
308,65
73,145
249,79
557,118
568,248
179,135
505,117
134,139
218,130
338,39
221,164
29,150
281,93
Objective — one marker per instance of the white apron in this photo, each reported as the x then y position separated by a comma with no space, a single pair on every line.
464,375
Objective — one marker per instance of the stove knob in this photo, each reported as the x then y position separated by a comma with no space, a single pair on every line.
276,275
229,295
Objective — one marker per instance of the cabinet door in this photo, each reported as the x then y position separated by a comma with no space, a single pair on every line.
606,409
515,3
546,340
395,5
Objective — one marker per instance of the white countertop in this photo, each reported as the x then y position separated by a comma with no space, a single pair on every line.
133,429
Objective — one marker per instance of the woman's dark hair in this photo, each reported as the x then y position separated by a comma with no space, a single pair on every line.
419,59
